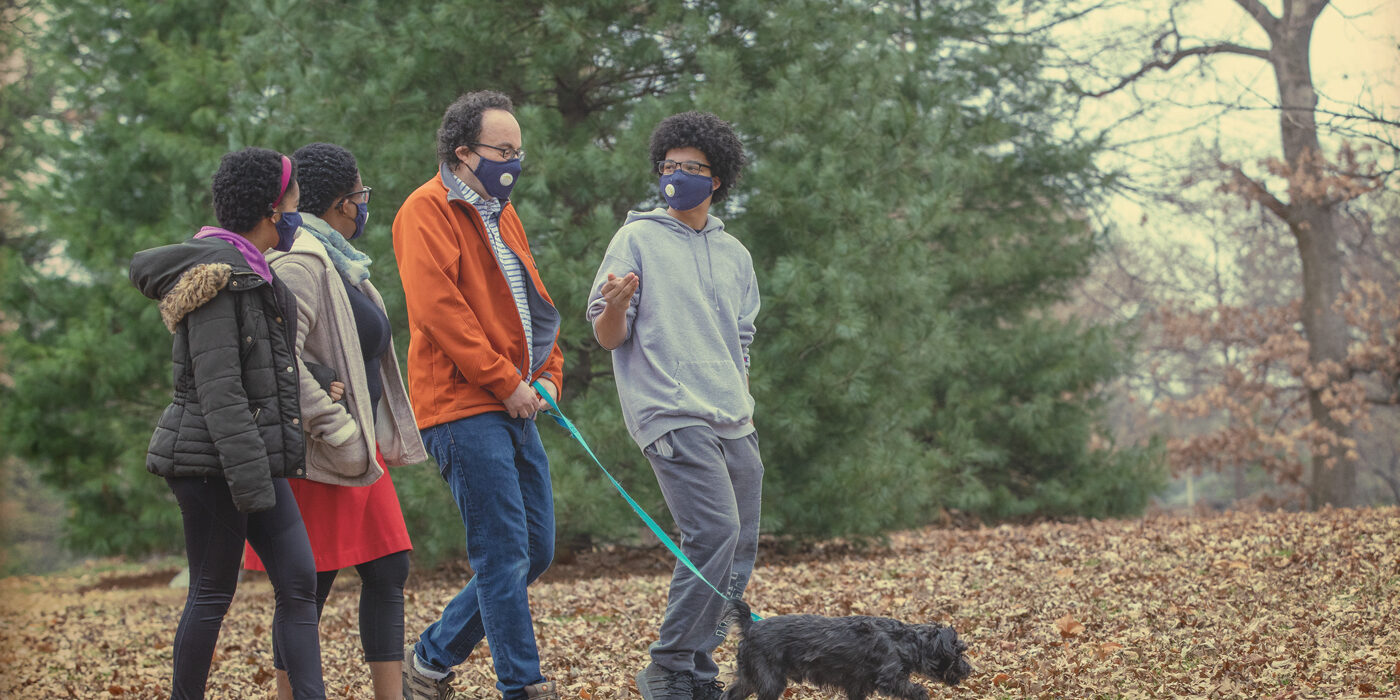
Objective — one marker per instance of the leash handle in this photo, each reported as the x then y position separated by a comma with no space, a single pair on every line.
558,415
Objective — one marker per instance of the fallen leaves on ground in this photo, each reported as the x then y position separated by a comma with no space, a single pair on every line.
1242,605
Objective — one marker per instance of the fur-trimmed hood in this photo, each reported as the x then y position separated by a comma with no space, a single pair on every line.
185,276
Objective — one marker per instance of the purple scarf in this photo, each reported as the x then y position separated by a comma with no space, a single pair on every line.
250,252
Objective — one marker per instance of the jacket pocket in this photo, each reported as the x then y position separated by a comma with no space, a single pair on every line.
161,449
349,464
713,390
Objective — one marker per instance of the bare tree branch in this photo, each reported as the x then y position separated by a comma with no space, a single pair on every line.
1311,9
1259,192
1261,14
1168,62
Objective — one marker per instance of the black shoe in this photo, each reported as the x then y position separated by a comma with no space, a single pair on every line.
712,689
656,683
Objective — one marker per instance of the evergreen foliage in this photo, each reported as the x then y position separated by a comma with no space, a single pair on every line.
912,207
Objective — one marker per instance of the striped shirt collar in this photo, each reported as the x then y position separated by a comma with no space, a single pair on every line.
485,206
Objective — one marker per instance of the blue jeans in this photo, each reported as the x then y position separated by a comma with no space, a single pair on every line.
499,476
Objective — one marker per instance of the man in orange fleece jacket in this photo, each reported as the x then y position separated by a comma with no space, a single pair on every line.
482,330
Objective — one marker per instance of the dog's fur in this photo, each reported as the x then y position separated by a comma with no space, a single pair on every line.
858,654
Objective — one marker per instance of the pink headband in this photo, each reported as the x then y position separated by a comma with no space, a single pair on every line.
286,177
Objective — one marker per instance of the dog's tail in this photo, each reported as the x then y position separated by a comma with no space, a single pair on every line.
739,613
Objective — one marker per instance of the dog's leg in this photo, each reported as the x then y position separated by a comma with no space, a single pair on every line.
892,678
768,681
738,689
907,689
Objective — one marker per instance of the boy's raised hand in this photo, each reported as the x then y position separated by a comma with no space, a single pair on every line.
618,291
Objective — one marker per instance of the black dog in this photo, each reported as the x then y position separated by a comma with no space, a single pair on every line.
858,654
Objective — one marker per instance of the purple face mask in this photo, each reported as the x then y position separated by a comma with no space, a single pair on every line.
683,191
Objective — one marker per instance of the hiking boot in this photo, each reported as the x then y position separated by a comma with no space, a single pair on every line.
657,683
542,691
712,689
417,686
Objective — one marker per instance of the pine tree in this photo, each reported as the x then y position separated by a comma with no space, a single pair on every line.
912,208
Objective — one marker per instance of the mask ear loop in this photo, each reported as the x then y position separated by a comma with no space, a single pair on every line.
286,178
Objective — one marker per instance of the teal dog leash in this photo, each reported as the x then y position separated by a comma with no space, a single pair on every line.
558,415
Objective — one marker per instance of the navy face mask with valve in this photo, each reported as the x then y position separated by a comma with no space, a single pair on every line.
498,177
287,230
683,191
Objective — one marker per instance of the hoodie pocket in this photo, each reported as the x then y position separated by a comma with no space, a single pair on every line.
713,391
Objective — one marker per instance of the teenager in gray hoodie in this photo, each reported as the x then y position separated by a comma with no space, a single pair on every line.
675,300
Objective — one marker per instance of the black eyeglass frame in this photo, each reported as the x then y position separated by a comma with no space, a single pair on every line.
660,166
506,152
366,192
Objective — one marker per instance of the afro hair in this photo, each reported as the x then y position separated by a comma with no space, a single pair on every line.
461,123
246,187
712,135
326,172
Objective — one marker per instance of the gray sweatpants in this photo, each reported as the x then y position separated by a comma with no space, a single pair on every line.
713,487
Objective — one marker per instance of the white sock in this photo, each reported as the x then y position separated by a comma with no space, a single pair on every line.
424,670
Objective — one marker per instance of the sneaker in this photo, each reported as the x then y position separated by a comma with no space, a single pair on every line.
417,686
542,691
712,689
657,683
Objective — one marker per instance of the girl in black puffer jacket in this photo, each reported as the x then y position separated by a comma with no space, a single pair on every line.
232,434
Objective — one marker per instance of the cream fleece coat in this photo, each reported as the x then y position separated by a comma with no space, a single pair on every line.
340,445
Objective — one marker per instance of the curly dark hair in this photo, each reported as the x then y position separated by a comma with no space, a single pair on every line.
326,172
712,135
245,187
461,123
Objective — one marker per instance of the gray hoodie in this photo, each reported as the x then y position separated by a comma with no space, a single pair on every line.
685,359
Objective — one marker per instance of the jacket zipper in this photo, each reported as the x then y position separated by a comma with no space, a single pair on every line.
486,238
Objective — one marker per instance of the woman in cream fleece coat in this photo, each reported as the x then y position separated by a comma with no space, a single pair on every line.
347,500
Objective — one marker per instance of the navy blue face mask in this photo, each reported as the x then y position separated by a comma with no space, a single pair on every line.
287,230
683,191
498,177
361,218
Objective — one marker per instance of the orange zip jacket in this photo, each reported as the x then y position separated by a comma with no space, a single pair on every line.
466,350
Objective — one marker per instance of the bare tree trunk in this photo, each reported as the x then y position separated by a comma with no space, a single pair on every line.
1311,217
1391,477
1309,210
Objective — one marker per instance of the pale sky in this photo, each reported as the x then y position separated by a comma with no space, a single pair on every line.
1223,100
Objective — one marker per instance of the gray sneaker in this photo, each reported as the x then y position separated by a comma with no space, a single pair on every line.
417,686
657,683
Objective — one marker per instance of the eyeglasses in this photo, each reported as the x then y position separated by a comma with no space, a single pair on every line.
692,167
506,152
366,192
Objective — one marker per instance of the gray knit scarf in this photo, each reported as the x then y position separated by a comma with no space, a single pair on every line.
351,263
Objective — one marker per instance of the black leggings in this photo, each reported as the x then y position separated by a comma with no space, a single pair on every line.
381,607
214,534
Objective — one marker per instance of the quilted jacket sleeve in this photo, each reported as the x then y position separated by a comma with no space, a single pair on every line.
218,377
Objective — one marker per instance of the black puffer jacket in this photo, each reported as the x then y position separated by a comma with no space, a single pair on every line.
235,412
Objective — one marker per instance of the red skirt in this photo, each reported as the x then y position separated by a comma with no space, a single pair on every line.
347,525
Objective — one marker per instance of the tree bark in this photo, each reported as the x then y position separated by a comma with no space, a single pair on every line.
1312,219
